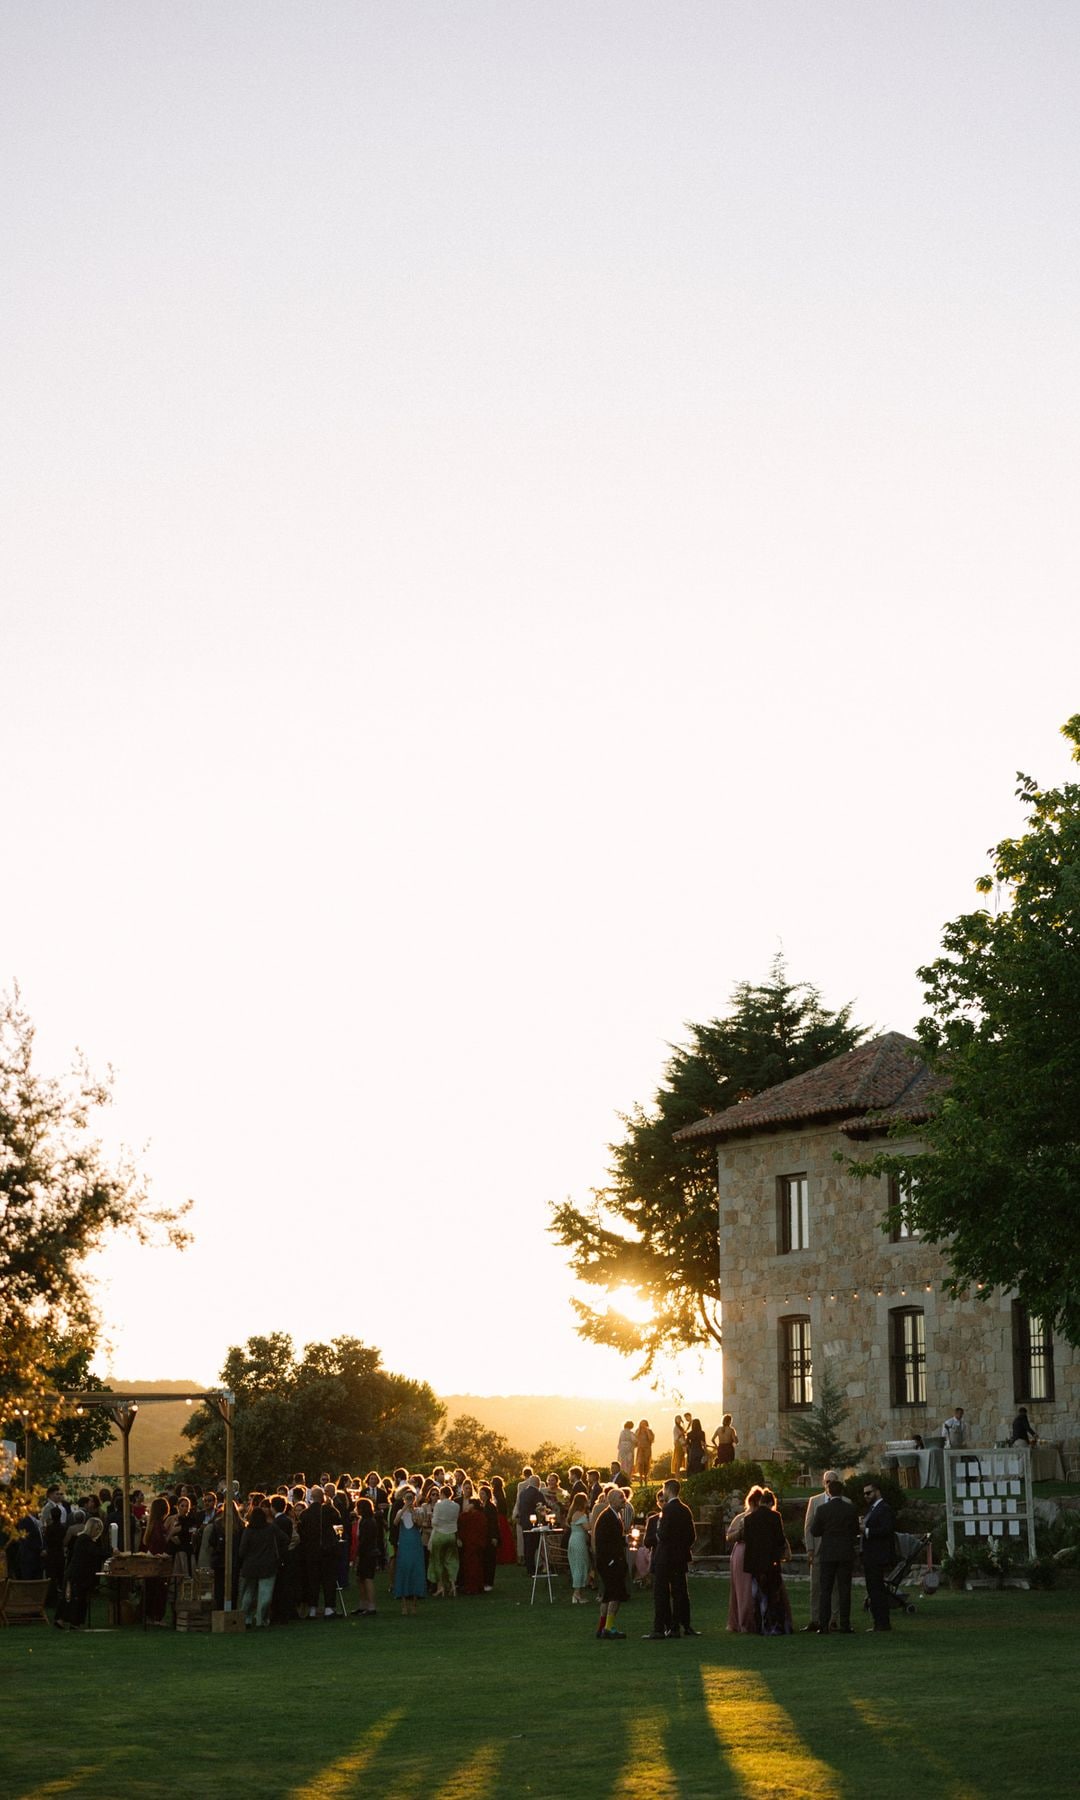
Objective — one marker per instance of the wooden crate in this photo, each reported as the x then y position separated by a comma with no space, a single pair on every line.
227,1621
138,1563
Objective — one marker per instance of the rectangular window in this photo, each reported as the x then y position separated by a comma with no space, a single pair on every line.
796,1371
793,1208
1033,1356
901,1195
908,1328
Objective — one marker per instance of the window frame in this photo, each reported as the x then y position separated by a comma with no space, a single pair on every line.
907,1356
791,1202
796,1357
902,1232
1033,1355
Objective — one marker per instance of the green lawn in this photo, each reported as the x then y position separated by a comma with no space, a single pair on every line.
976,1696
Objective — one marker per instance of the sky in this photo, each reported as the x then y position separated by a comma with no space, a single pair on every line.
512,515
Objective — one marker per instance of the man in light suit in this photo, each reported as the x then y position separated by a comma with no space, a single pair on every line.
878,1553
813,1505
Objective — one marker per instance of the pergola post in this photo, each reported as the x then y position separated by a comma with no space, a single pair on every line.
124,1418
225,1405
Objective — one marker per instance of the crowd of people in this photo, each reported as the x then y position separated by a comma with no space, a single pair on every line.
298,1549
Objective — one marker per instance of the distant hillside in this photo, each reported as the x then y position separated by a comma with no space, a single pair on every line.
155,1436
588,1426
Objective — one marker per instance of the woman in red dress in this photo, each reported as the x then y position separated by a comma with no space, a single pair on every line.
472,1536
507,1543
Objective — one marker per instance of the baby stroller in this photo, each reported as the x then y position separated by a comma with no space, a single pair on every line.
909,1549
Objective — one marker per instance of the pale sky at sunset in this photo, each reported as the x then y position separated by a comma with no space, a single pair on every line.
511,513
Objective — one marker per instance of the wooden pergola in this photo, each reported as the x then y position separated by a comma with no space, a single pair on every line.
123,1409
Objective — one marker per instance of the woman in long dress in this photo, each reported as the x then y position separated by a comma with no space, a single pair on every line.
472,1531
443,1567
741,1616
578,1547
766,1549
696,1448
627,1449
678,1446
367,1557
410,1582
507,1547
644,1438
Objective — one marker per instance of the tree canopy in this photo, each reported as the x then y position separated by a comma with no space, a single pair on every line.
60,1199
653,1228
334,1407
999,1188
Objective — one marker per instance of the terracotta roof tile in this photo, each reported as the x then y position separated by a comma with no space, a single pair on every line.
885,1078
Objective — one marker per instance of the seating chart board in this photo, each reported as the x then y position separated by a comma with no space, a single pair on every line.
988,1494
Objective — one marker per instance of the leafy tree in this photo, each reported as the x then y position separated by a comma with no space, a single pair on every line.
335,1407
815,1438
74,1437
476,1449
60,1200
654,1227
999,1187
549,1455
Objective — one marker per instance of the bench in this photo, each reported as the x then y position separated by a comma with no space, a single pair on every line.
23,1602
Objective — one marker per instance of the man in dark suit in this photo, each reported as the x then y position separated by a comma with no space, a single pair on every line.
528,1501
835,1525
675,1538
878,1553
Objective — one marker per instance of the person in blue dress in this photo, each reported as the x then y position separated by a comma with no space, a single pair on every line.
410,1576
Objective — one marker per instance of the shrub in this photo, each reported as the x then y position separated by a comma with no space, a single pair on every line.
891,1491
1043,1572
707,1488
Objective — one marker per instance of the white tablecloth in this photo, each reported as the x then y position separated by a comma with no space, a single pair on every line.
1046,1463
931,1468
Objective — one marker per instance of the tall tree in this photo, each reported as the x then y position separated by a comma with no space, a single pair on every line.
334,1407
999,1187
60,1199
654,1227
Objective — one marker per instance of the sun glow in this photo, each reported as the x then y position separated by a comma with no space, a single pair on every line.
628,1301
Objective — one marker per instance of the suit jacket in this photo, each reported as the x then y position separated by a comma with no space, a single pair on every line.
878,1535
609,1540
676,1534
528,1500
836,1527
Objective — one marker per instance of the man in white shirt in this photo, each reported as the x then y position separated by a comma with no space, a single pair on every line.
955,1431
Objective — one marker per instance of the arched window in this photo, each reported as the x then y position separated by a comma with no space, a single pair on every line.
796,1367
1033,1356
907,1329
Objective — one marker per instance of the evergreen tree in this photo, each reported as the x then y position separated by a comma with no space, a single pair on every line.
654,1227
815,1438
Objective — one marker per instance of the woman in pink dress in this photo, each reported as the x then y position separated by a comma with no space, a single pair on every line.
742,1615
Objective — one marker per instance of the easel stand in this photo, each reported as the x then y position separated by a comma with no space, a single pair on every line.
542,1565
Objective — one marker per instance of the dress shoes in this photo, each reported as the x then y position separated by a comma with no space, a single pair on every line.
811,1627
688,1631
654,1637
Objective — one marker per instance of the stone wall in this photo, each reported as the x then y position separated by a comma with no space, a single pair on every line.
846,1282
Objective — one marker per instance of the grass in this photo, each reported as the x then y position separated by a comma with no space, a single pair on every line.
488,1697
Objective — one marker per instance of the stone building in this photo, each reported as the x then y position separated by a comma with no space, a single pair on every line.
810,1277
